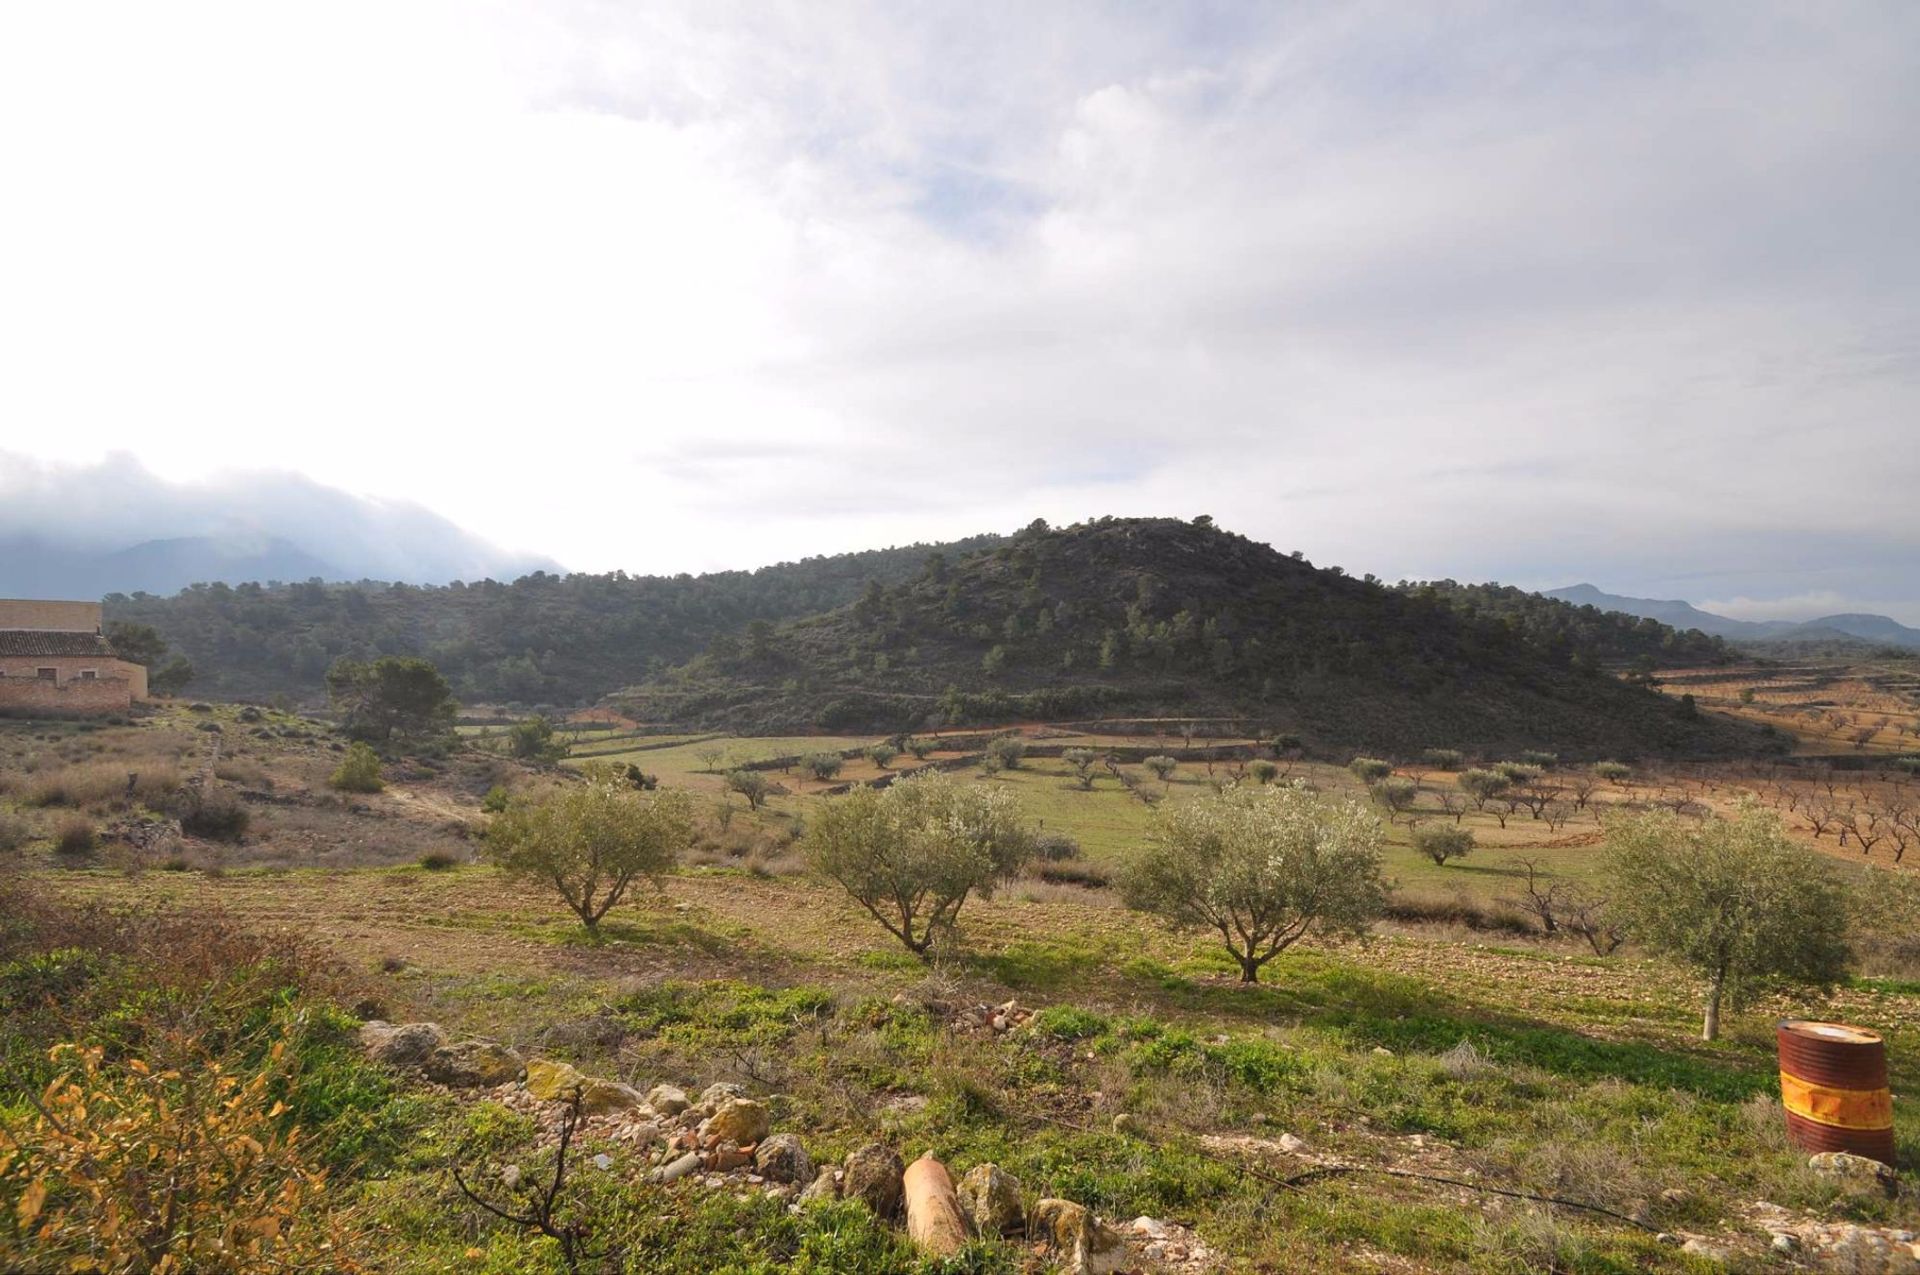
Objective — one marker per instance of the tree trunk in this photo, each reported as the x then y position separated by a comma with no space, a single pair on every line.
1249,970
1710,1027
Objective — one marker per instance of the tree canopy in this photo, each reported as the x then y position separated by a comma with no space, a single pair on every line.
391,697
1736,899
1263,866
591,841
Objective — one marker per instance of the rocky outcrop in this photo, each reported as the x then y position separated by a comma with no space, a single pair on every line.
741,1121
782,1158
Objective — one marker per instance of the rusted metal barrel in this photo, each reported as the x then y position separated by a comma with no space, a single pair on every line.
1833,1083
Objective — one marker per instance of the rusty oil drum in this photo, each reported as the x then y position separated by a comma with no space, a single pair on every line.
1833,1083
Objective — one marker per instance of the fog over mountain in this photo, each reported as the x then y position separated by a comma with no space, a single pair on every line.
83,531
1684,615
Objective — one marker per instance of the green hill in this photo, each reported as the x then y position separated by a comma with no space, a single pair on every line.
1158,617
542,639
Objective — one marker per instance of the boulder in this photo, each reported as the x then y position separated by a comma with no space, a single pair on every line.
470,1064
602,1097
668,1100
739,1120
551,1081
1081,1241
782,1158
1856,1169
990,1197
825,1186
401,1045
714,1095
872,1176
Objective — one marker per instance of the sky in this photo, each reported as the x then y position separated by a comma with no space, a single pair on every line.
1536,293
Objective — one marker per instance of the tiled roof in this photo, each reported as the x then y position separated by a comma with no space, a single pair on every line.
44,642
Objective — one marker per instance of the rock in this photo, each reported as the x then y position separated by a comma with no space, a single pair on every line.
739,1120
1083,1242
872,1176
600,1097
1855,1168
677,1169
1676,1195
782,1158
726,1157
603,1161
714,1095
470,1064
990,1197
405,1045
1381,1051
551,1081
510,1176
668,1100
1124,1123
1784,1242
1706,1250
1291,1144
825,1186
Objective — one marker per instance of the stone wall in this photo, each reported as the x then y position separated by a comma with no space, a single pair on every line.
35,697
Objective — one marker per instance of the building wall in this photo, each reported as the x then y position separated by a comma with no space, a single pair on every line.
65,699
62,617
15,669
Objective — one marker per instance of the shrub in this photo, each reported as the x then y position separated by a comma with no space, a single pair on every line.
75,835
1517,772
1370,770
1441,842
1070,1022
1055,847
496,800
1442,758
439,861
1008,750
14,832
129,1167
1613,772
211,813
1545,761
1263,771
359,771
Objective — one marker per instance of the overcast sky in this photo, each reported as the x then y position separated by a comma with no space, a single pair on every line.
1626,293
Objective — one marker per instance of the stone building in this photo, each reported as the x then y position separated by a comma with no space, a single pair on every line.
55,662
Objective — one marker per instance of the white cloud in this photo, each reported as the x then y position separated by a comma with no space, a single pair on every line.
1480,291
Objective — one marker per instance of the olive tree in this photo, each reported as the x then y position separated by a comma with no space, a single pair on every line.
750,784
1162,767
913,853
882,754
591,841
1735,899
823,765
1370,770
1262,866
1081,759
1396,795
1441,842
1482,785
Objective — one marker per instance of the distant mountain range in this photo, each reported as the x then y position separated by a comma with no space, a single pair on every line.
1684,615
114,527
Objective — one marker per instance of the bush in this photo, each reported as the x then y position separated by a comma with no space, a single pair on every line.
1442,758
1441,842
359,771
1370,770
1545,761
1613,772
496,800
1055,847
1008,750
439,861
14,832
75,835
1263,771
212,814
